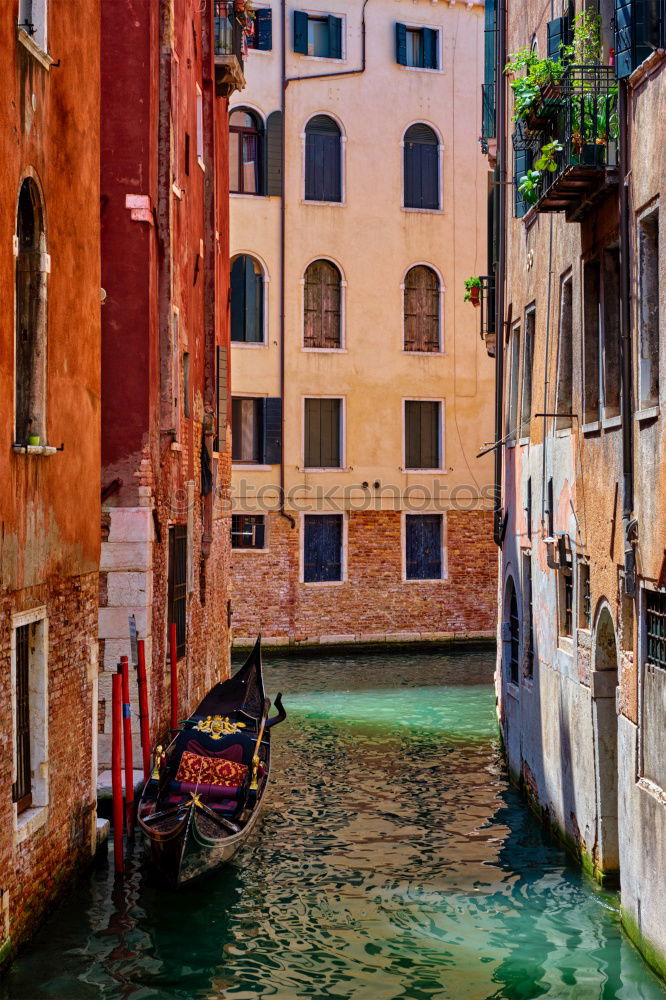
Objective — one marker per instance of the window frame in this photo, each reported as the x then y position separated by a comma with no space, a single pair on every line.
36,42
260,132
35,815
343,161
343,436
264,342
442,427
529,320
564,423
344,549
179,533
419,26
239,463
440,168
320,15
250,548
440,319
200,127
649,214
253,48
343,310
513,386
444,569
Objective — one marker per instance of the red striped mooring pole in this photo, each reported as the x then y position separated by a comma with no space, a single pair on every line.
127,741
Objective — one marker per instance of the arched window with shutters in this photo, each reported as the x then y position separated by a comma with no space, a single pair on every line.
247,300
322,310
421,167
246,152
32,267
422,310
323,160
511,634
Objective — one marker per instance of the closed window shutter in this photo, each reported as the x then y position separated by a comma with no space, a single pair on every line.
430,48
273,186
557,32
323,172
522,161
421,434
421,159
272,423
222,399
238,299
335,37
401,44
264,22
322,433
300,32
638,31
321,306
421,305
423,546
322,548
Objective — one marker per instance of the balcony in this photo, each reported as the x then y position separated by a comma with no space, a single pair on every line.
229,46
578,120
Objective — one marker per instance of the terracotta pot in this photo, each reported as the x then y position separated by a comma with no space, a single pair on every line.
475,296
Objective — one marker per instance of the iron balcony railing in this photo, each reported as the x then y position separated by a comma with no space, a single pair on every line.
487,114
229,30
487,305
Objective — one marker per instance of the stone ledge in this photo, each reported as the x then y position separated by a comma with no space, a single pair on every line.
369,641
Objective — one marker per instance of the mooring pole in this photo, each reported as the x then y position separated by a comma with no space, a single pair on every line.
129,757
116,772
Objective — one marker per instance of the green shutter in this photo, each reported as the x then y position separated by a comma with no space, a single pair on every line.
273,159
272,428
557,32
522,161
264,21
335,37
301,32
238,299
430,48
401,44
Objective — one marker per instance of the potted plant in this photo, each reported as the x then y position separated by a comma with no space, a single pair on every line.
529,186
473,291
540,85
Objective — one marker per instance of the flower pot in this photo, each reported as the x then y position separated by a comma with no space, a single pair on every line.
475,296
34,440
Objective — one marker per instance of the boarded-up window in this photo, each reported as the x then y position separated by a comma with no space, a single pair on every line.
422,434
246,429
323,431
245,153
322,326
323,164
648,308
421,304
322,548
177,589
247,300
421,159
423,546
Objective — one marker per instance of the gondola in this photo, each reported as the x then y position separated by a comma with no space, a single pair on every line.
207,789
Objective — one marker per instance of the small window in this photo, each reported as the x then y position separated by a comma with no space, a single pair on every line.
566,603
323,160
200,141
247,300
514,386
417,47
423,446
511,634
423,546
29,667
317,35
248,531
528,360
655,628
528,616
246,139
186,384
611,331
565,355
323,433
322,548
648,308
322,299
591,340
261,35
23,786
177,584
421,310
421,166
32,266
584,596
601,318
246,430
32,18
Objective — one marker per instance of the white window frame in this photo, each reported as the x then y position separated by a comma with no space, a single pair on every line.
344,556
241,466
442,427
647,409
412,26
440,165
200,142
342,349
242,106
343,434
29,821
37,42
343,161
403,546
261,52
260,344
318,15
442,349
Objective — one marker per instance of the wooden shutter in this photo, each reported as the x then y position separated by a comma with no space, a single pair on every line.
423,546
323,174
273,159
300,32
430,48
322,433
222,399
421,159
322,548
635,36
238,299
522,161
557,32
335,37
322,305
177,586
272,424
401,44
264,21
421,304
421,434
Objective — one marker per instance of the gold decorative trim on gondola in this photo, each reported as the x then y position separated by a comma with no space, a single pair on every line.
217,726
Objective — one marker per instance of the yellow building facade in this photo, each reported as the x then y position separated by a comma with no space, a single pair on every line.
361,389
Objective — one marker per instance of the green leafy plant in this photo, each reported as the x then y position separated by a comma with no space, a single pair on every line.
527,89
548,159
585,49
529,186
471,283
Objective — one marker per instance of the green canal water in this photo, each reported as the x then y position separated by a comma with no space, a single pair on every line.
393,862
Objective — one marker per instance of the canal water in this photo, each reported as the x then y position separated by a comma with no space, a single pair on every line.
394,862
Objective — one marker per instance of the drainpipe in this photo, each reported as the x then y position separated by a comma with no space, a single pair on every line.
628,521
285,81
500,85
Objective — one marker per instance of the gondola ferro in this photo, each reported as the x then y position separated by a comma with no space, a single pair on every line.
206,791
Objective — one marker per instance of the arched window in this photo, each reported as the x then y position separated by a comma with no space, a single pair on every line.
323,160
512,633
31,281
322,313
421,305
246,141
247,300
421,167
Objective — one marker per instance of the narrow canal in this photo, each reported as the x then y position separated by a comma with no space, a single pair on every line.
394,862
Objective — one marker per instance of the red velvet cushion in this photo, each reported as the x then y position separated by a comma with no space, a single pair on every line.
210,771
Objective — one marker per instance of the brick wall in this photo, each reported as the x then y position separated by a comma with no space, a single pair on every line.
374,601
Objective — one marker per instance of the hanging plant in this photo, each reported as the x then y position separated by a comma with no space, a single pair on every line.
473,291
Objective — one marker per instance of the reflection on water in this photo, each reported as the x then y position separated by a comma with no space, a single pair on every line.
394,862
